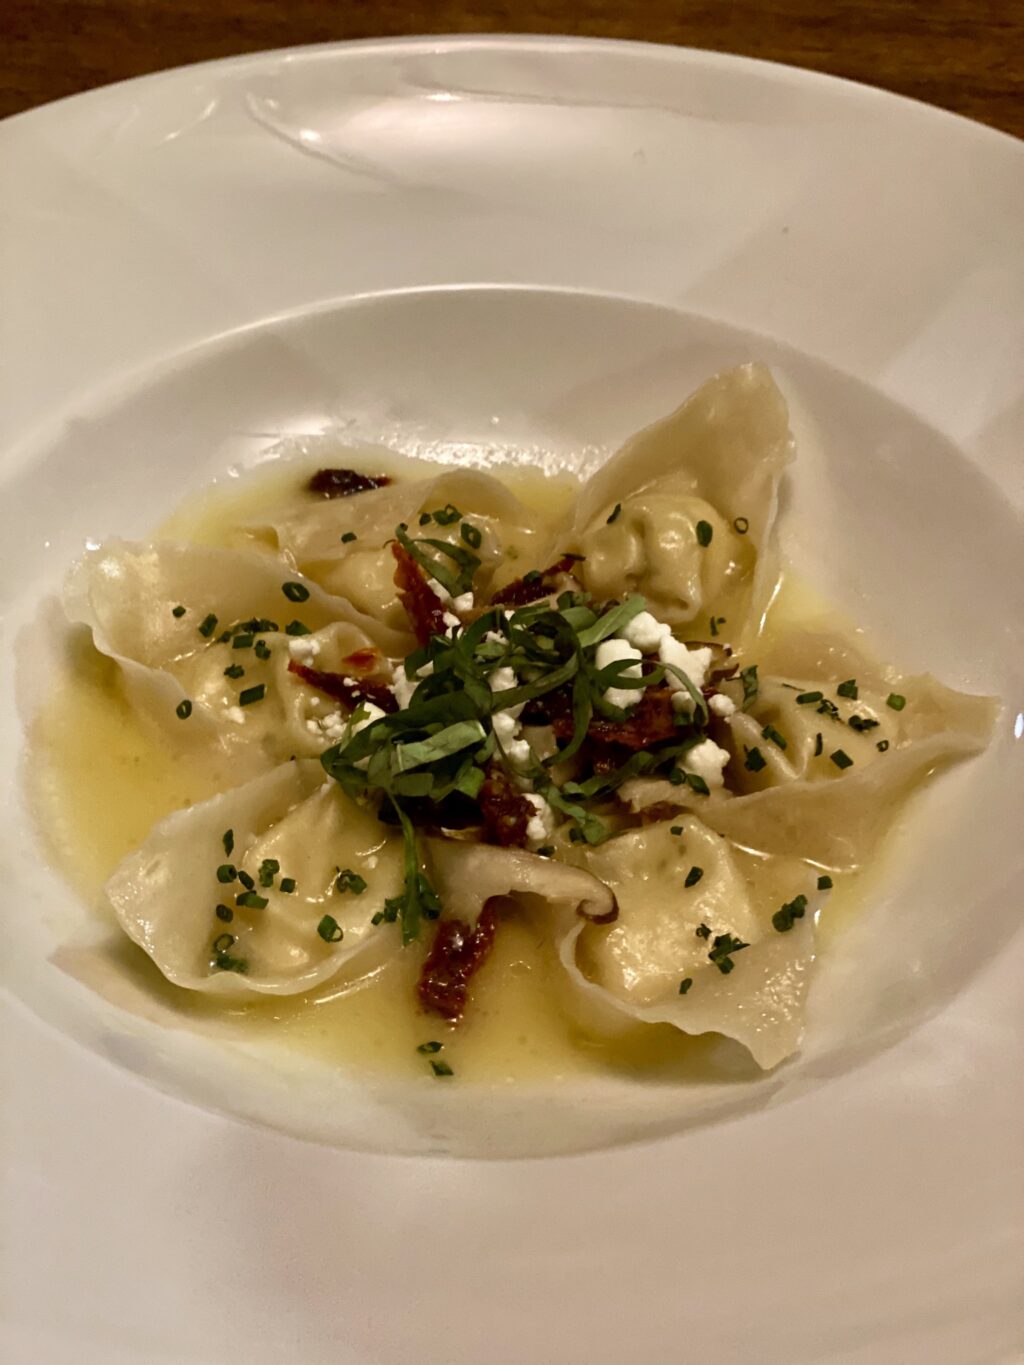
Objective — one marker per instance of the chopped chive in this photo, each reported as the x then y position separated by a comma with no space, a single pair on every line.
246,880
685,984
787,915
269,868
183,710
676,829
378,918
862,723
330,930
749,679
819,745
830,709
444,516
824,883
534,576
262,650
225,913
805,698
677,777
295,592
723,947
895,701
693,876
349,537
224,962
348,880
882,745
178,611
228,840
249,900
427,1048
696,783
770,732
614,514
223,942
250,694
234,671
848,689
841,759
704,533
741,525
286,885
546,852
702,931
226,872
755,760
296,628
441,1068
425,518
243,641
471,535
208,625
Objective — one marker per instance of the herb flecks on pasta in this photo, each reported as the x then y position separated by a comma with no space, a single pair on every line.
475,714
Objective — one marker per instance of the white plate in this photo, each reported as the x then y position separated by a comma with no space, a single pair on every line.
499,248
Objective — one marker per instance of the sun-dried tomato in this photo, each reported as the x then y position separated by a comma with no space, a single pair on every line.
347,690
422,605
456,953
343,483
651,720
504,809
522,591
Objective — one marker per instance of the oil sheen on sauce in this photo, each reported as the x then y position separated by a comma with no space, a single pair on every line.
101,778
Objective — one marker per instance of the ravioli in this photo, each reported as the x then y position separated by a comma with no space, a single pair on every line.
440,714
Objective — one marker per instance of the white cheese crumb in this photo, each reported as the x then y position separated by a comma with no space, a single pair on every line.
707,760
304,648
519,753
541,824
721,705
236,714
439,591
693,662
451,624
645,632
611,651
463,603
402,687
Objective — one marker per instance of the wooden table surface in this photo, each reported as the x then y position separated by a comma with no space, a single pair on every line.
966,55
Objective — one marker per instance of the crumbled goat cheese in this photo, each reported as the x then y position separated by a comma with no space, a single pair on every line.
645,632
463,603
304,648
693,662
505,724
402,687
541,824
610,652
707,760
439,591
236,714
451,624
721,705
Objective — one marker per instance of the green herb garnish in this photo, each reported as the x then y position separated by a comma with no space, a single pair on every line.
895,701
225,913
183,710
748,677
430,1047
248,695
614,515
702,931
819,745
234,671
330,930
693,876
722,948
882,745
243,641
848,689
704,533
441,1068
228,840
685,984
841,759
741,525
208,625
348,537
471,534
249,900
178,611
296,628
286,885
295,592
770,732
755,760
785,917
824,883
805,698
347,880
269,868
227,873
